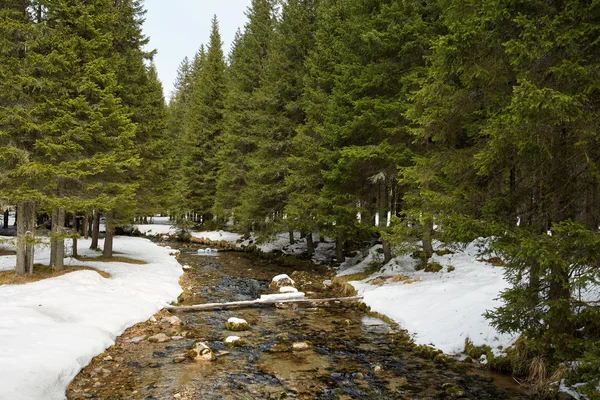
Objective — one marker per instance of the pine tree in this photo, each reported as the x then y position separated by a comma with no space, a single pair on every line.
204,127
280,114
245,73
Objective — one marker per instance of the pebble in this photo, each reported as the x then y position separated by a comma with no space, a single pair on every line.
377,369
108,358
159,338
136,339
152,319
176,337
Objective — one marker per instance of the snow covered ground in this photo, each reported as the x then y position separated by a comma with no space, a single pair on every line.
441,308
51,329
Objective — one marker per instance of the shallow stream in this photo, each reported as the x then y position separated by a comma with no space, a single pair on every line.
351,355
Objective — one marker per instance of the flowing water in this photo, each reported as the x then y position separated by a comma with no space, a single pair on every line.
350,355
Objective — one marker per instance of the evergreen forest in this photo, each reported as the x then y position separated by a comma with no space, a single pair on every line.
411,122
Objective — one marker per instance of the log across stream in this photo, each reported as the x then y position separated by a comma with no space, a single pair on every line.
297,350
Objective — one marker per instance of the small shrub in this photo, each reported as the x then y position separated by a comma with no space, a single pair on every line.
433,267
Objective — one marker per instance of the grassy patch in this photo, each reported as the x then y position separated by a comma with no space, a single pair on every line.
450,268
433,267
41,272
112,259
495,261
405,279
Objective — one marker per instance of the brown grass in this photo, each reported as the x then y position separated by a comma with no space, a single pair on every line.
405,279
41,272
341,287
7,252
112,259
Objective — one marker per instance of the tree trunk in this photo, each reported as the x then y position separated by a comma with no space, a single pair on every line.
387,251
59,255
5,222
84,226
53,242
310,245
25,237
95,230
76,226
107,250
427,236
339,249
291,233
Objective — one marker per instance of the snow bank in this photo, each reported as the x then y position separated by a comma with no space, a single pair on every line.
440,309
51,329
217,236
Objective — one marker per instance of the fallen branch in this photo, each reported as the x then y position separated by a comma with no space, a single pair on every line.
250,303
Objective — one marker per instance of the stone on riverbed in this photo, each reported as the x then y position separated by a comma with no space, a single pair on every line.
160,338
237,325
234,341
280,281
301,346
173,320
201,352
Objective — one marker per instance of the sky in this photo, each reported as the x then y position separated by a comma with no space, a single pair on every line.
177,28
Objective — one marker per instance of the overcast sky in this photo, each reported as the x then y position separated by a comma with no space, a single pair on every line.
177,28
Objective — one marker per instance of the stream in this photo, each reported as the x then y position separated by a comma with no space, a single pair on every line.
350,354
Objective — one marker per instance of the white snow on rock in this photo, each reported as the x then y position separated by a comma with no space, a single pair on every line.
288,289
232,339
282,277
442,308
234,320
51,329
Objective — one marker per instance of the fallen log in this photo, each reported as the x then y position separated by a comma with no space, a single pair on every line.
251,303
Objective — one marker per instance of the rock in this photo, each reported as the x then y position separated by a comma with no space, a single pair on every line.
159,338
234,341
176,337
453,390
327,283
288,289
282,337
201,352
173,320
237,325
152,319
301,346
177,396
280,281
107,358
377,369
179,359
280,348
98,384
136,339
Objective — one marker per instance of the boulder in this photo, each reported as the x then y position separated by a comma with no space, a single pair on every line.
280,281
237,325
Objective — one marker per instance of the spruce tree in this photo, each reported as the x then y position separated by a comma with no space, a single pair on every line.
245,74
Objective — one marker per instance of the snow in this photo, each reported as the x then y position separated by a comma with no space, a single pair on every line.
52,328
440,309
288,289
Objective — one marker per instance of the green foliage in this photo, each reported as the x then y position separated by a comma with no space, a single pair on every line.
550,274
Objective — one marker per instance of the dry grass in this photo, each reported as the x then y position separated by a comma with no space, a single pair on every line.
112,259
41,272
7,252
379,281
341,287
495,261
405,279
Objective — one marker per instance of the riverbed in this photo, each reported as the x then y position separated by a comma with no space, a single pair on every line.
347,353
